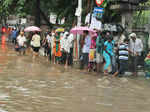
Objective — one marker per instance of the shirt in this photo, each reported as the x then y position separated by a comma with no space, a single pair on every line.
136,47
123,51
86,46
71,38
48,38
14,34
21,40
99,44
65,44
109,47
36,40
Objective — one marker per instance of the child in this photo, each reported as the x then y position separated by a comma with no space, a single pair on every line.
147,65
123,57
92,54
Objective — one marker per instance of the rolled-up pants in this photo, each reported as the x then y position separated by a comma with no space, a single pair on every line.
134,62
113,64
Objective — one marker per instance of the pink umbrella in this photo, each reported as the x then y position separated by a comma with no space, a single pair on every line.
81,29
32,29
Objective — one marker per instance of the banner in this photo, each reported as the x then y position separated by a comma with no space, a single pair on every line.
53,18
95,24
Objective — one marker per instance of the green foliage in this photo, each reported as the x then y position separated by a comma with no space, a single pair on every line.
105,4
141,18
12,7
63,8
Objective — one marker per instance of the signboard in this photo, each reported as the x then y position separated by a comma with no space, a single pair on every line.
115,6
53,18
99,2
78,12
23,21
123,7
110,27
12,22
95,24
98,12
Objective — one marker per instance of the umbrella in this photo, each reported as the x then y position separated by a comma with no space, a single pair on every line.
81,29
60,30
32,29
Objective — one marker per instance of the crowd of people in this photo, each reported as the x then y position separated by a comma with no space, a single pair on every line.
100,52
58,46
109,56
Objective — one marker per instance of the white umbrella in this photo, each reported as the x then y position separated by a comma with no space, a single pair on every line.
32,29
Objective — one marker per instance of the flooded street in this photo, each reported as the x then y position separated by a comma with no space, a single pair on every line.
38,86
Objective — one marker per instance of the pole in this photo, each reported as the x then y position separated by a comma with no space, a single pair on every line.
91,11
79,24
79,17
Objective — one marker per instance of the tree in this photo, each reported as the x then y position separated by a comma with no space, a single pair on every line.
42,8
21,8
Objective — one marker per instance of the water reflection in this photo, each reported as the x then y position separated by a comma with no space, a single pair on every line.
3,43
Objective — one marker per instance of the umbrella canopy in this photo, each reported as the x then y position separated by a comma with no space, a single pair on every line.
32,29
60,30
80,30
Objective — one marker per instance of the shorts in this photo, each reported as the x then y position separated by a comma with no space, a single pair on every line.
99,58
36,49
123,66
21,48
64,57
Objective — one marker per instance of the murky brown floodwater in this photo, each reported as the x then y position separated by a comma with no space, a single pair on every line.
27,86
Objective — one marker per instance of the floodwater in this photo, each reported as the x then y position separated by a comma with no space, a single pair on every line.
38,86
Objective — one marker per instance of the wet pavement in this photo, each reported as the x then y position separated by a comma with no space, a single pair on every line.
38,86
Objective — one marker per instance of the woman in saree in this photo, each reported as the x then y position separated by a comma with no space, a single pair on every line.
57,49
107,53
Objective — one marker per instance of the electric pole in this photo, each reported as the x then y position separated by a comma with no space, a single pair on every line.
80,10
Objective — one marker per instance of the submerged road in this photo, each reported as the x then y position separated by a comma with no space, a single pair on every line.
38,86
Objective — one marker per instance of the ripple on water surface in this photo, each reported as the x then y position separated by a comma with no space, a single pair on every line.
35,86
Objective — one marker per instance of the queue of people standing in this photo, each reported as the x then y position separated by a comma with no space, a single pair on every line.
102,54
99,53
59,47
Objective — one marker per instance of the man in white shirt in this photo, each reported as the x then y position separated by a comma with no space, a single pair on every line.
136,47
65,48
49,45
21,39
85,44
52,45
64,42
36,43
71,38
36,39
